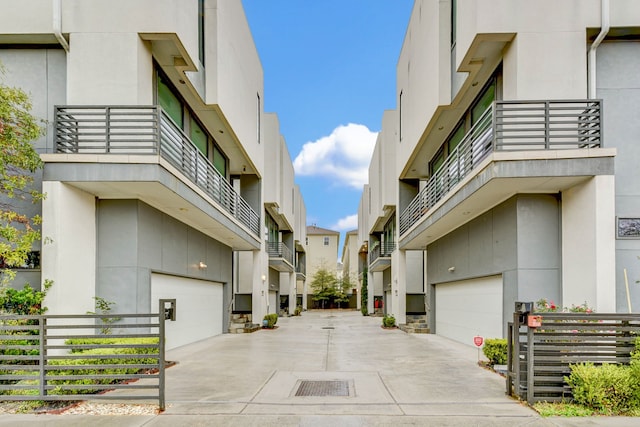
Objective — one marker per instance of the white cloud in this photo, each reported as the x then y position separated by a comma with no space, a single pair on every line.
346,224
343,156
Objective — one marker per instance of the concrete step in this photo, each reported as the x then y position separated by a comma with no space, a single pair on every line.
415,328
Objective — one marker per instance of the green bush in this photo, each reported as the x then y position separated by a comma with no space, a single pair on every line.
609,388
297,311
495,349
388,321
271,319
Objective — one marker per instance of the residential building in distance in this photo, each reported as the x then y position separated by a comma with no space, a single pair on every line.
322,252
350,267
508,185
154,159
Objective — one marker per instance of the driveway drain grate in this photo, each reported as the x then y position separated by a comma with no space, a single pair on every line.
323,388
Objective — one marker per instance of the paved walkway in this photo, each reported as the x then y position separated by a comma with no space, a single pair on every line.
387,378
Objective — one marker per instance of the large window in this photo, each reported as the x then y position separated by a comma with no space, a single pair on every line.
482,102
273,232
201,31
170,101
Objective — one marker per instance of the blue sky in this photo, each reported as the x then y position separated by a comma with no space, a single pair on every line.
329,73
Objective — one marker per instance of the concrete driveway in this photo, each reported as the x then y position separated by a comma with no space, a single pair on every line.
373,376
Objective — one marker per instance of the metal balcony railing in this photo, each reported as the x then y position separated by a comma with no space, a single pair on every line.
381,250
301,268
510,126
279,250
146,130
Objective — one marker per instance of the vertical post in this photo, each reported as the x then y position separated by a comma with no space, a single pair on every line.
530,365
161,347
107,125
494,124
516,362
42,357
158,114
510,344
547,142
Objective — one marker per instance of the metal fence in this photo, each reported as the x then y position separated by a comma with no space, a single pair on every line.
147,130
510,126
381,250
76,357
279,250
539,358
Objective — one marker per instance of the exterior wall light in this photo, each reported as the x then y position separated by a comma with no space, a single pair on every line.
202,265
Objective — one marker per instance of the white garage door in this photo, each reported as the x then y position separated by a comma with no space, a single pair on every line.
199,308
468,308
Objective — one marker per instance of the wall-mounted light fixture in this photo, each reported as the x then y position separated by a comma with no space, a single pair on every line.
264,278
452,269
202,265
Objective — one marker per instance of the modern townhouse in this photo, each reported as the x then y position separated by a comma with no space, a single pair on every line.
350,267
515,161
284,232
154,155
322,253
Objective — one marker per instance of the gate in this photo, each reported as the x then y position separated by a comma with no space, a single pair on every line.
541,347
65,357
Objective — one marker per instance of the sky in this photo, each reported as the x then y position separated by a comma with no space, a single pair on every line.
329,74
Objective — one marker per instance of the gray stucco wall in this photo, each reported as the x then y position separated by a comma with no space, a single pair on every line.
135,240
42,74
519,239
618,85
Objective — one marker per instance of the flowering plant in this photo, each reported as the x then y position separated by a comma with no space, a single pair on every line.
544,306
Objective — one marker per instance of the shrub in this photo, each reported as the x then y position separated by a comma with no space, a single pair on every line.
388,321
297,311
609,388
271,319
495,349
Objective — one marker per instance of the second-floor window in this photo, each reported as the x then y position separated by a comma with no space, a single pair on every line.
326,241
172,103
273,232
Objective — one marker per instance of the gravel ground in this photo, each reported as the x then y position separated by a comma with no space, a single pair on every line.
77,408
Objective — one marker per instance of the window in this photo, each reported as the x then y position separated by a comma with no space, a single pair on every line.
169,101
219,161
259,105
198,136
273,233
201,31
400,116
454,12
326,241
32,262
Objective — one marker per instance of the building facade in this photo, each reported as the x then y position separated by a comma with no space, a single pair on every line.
509,187
154,155
322,253
350,267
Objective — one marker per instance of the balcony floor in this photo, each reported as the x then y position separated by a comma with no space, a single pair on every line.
154,182
500,176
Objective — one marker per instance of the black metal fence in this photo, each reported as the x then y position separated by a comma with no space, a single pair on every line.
540,357
76,357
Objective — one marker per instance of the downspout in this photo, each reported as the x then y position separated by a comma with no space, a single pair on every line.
591,54
57,24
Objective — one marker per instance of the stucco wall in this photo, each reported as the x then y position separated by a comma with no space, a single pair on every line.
519,239
618,84
134,239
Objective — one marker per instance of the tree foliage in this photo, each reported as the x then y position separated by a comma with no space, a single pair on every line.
18,161
328,290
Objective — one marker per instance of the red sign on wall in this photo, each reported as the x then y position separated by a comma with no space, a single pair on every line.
478,340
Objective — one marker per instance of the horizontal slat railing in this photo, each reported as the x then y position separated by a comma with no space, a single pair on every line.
147,130
381,250
279,250
542,356
38,359
510,126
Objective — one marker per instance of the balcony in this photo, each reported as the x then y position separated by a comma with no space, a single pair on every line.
106,132
301,271
502,133
280,256
380,256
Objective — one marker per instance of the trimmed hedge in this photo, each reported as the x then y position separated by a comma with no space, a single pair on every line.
271,319
388,321
495,349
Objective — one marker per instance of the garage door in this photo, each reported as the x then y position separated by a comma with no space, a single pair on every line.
199,308
468,308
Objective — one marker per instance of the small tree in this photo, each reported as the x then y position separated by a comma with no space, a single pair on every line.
323,285
18,161
364,294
